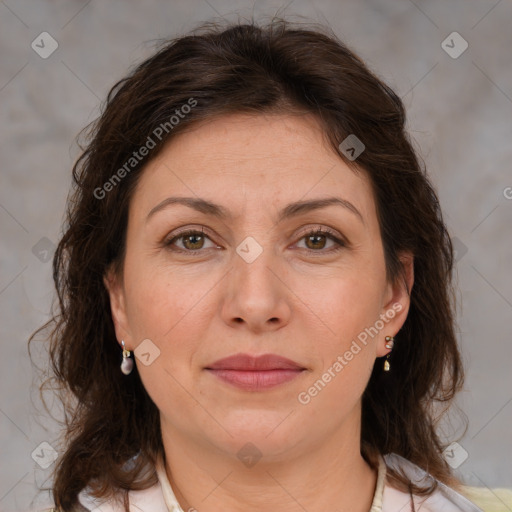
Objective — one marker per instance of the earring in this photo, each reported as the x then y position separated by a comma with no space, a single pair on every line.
127,364
390,341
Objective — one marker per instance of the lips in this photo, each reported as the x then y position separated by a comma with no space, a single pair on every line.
246,362
255,373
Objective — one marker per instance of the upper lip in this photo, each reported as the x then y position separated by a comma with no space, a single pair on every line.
246,362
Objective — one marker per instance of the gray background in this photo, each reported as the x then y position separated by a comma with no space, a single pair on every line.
460,117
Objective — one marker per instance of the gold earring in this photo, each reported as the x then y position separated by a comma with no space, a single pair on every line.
390,341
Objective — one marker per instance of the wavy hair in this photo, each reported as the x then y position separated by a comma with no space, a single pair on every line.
111,426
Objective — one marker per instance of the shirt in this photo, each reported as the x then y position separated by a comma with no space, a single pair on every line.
161,498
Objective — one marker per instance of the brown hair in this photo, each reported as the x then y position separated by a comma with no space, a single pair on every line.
112,430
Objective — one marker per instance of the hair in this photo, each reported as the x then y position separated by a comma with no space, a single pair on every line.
112,431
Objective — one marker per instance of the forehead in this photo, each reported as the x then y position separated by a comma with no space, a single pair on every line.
263,159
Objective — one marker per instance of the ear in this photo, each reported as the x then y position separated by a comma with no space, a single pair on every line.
114,285
397,301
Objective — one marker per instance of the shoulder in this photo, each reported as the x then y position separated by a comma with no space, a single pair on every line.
443,499
147,499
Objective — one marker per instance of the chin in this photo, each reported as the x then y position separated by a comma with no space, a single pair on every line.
268,432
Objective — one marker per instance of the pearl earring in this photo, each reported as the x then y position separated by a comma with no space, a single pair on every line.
127,364
390,341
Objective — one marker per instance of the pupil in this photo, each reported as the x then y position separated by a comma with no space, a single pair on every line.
194,237
312,238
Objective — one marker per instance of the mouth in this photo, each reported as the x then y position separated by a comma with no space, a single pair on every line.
255,373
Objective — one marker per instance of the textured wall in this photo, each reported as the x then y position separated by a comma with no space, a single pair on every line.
460,115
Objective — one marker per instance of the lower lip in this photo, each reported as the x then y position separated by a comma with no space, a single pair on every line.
256,380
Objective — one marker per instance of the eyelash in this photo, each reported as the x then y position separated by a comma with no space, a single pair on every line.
320,231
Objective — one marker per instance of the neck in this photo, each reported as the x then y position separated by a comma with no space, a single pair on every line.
329,475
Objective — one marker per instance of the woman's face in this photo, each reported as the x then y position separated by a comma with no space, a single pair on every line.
255,280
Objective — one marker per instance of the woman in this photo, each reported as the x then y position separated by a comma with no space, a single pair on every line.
255,289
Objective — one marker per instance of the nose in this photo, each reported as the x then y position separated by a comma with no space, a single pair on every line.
256,295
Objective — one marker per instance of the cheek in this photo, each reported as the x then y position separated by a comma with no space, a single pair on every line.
162,300
344,303
173,309
348,306
345,352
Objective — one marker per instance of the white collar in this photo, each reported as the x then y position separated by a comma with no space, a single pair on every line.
385,499
174,506
161,498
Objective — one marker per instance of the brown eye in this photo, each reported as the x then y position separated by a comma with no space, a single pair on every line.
191,241
317,241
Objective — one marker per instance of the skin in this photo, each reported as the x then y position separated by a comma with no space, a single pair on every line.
298,300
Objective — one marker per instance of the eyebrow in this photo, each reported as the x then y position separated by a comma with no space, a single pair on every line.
291,210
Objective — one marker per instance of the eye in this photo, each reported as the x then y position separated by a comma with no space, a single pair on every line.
192,241
316,241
